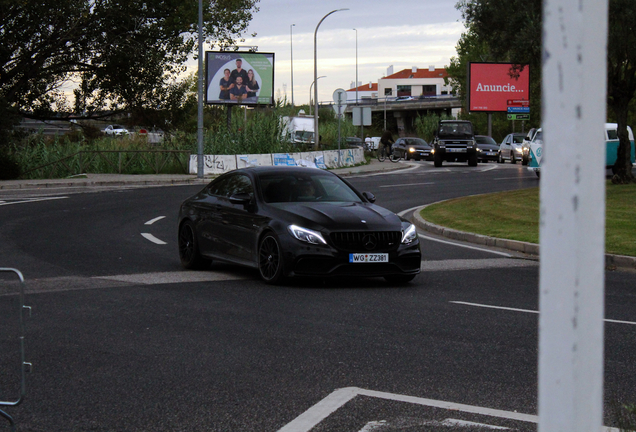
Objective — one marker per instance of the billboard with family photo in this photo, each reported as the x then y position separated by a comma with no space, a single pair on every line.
243,78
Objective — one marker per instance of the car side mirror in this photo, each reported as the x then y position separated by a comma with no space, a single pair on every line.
241,198
369,196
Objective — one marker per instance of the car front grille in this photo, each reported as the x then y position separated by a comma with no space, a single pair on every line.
379,241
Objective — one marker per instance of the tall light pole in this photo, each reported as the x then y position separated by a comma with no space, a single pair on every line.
356,30
291,49
317,145
200,96
312,84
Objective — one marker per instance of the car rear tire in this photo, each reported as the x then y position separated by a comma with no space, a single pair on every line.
399,279
189,254
499,158
270,260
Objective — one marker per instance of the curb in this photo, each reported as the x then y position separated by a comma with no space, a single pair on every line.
64,183
612,262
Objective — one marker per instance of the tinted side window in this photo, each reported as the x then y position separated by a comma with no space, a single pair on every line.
231,185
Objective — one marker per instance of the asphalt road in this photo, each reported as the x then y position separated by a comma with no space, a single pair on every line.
122,339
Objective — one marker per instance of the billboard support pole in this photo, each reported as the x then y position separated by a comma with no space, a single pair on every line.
490,124
229,117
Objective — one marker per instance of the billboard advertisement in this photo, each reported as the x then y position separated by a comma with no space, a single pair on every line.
244,78
492,85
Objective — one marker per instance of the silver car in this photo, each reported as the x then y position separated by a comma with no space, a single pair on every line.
510,148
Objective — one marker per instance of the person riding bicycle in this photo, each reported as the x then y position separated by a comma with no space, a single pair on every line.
387,141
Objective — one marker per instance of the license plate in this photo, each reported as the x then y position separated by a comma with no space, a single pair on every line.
491,153
368,258
456,150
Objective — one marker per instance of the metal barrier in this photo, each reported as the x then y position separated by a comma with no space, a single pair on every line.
23,363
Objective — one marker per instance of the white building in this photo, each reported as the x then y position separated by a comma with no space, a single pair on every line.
414,82
365,92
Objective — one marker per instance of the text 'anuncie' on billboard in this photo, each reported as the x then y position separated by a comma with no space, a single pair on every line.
239,78
492,85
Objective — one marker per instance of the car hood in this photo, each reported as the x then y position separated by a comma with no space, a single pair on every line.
339,216
488,146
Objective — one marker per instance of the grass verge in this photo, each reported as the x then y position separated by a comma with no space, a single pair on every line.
515,215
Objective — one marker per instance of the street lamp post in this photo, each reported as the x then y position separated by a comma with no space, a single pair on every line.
312,84
361,126
200,97
317,145
291,49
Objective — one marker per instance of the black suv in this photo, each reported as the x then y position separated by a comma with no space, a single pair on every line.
455,142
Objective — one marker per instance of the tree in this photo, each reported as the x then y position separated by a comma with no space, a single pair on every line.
121,54
511,31
621,79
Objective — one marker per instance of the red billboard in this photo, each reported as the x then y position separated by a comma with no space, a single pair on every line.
492,85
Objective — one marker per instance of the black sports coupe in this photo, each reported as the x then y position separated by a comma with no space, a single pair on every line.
295,221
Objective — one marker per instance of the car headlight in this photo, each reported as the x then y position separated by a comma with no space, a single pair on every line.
518,150
478,149
411,150
306,235
409,235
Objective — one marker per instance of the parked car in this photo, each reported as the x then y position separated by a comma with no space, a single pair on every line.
404,98
510,148
487,148
413,148
525,146
295,221
611,145
115,130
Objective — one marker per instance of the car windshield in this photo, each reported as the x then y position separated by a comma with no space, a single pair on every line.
312,186
517,139
538,136
485,140
455,129
415,141
304,136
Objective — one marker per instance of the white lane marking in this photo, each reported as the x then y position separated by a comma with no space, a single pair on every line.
151,221
490,168
514,178
528,311
465,246
408,184
314,415
381,425
29,200
153,239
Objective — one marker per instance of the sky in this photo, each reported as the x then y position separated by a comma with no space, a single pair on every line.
401,33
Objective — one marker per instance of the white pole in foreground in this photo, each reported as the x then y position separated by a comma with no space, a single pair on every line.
572,233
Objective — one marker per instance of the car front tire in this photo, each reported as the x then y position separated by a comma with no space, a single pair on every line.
437,160
499,158
270,260
189,254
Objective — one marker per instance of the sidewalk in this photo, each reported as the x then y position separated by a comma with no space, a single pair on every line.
166,179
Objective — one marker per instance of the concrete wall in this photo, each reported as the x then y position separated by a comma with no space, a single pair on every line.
219,164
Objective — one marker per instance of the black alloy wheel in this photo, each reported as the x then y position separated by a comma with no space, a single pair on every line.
270,260
189,248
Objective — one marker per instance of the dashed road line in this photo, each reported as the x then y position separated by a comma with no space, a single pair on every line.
528,311
407,184
153,239
30,200
151,221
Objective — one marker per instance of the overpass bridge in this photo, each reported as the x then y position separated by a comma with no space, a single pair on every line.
405,111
